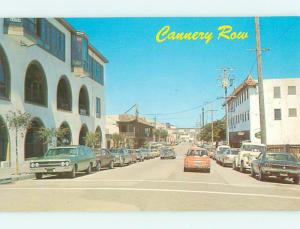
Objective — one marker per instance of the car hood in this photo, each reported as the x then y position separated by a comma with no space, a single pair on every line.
55,158
288,163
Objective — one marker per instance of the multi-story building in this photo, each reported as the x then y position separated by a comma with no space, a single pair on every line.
282,107
134,130
51,71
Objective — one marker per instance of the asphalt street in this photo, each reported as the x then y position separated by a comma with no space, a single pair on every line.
152,185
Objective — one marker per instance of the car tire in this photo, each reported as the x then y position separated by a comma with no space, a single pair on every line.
261,176
208,170
72,174
98,166
38,176
242,169
122,164
89,169
252,172
111,165
233,166
296,180
184,169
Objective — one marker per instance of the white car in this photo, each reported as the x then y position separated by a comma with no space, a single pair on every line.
227,158
220,150
248,152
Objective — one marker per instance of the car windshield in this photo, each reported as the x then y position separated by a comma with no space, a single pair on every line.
198,153
233,152
280,157
61,151
116,151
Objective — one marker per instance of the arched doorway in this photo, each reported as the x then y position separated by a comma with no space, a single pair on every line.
66,135
84,103
4,140
64,94
34,145
83,132
4,75
99,133
36,85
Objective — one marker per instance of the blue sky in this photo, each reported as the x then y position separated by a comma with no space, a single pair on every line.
177,75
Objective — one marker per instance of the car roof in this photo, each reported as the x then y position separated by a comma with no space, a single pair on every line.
63,147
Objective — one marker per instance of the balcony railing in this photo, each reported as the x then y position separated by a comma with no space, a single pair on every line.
127,134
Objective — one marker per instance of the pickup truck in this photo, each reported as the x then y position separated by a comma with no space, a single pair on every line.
248,152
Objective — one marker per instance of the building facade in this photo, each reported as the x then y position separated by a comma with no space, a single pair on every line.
282,106
51,71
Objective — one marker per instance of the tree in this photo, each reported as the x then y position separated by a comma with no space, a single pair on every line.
156,133
19,122
92,139
219,131
51,136
117,140
164,134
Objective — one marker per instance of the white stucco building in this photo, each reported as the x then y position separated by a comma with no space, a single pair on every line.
282,107
51,71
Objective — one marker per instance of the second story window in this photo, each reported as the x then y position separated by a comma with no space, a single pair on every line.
291,90
98,107
277,93
277,114
292,112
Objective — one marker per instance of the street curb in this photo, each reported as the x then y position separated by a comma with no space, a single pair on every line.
12,179
6,180
22,177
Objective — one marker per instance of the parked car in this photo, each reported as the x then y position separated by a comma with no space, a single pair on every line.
148,154
197,159
220,150
121,157
104,158
133,155
280,165
167,153
64,160
227,158
140,156
248,152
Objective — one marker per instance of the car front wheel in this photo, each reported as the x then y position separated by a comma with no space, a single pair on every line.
296,180
252,172
98,166
242,168
89,169
38,176
111,165
261,176
72,174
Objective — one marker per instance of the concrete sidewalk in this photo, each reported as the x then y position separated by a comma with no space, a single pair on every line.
8,174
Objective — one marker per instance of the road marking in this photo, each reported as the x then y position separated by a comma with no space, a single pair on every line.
161,190
281,186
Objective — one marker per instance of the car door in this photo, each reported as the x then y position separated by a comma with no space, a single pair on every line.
106,157
81,159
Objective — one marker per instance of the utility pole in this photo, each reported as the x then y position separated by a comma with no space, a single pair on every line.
226,82
212,125
260,84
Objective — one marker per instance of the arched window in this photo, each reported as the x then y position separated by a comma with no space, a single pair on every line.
84,103
36,84
66,135
83,132
64,94
4,75
99,133
4,140
35,146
